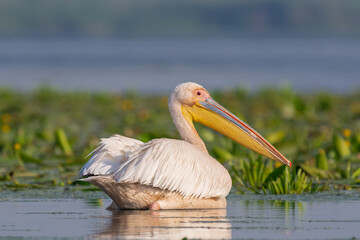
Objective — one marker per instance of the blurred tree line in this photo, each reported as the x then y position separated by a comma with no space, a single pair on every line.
196,18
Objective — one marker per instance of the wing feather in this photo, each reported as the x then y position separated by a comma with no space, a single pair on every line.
169,164
109,155
175,165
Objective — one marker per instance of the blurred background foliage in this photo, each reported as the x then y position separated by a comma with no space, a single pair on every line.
46,135
93,18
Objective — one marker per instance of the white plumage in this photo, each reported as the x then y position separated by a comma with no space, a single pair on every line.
168,164
110,154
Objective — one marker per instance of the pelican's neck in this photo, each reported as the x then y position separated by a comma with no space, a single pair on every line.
185,127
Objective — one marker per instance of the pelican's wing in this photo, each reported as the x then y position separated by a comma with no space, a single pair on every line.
178,166
109,155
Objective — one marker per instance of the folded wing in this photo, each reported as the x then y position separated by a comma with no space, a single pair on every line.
176,165
173,165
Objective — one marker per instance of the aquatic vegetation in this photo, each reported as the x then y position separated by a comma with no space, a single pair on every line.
45,135
291,182
261,176
252,174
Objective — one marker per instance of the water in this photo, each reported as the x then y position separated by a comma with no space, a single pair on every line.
317,216
157,65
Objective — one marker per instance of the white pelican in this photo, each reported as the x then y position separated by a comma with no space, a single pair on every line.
168,173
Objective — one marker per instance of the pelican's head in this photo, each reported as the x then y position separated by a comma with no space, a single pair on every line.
197,105
189,93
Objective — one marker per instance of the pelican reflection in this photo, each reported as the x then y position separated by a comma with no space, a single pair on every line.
167,224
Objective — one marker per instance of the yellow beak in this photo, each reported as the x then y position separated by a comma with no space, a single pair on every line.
212,114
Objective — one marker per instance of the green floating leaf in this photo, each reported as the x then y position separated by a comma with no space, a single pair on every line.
341,147
316,172
355,174
63,141
29,159
321,160
81,183
90,189
95,202
26,174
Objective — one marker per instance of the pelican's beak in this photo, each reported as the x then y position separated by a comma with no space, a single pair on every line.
212,114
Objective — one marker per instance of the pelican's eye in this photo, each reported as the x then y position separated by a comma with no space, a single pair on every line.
200,95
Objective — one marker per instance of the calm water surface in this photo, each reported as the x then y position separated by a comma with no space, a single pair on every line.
324,216
157,65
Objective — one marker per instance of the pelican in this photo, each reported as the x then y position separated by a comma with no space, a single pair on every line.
168,173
